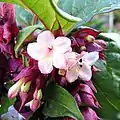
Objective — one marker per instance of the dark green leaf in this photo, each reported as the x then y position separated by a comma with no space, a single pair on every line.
23,34
86,9
49,14
60,103
107,81
6,102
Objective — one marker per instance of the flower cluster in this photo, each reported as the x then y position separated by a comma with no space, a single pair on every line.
64,60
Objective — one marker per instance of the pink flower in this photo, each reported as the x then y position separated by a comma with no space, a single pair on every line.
49,51
79,65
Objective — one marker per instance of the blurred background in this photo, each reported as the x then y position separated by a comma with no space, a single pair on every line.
108,22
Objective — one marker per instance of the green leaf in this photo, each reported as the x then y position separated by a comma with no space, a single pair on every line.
107,81
46,12
49,14
23,34
86,9
6,102
60,103
23,17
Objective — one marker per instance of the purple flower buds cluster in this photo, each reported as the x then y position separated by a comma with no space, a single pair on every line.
29,83
83,91
85,40
45,66
8,28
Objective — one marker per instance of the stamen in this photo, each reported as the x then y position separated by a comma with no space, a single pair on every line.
61,72
80,65
50,47
80,60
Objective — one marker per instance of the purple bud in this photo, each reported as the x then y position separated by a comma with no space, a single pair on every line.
94,47
89,114
89,100
102,43
87,96
8,25
90,84
63,81
78,99
15,65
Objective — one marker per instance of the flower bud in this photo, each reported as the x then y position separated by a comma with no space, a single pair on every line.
38,94
78,99
87,96
13,91
89,114
25,87
102,43
34,104
90,38
89,100
82,48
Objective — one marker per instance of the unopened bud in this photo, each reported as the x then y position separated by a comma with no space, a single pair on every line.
89,114
90,38
38,94
61,72
34,104
25,87
78,99
13,91
83,48
102,43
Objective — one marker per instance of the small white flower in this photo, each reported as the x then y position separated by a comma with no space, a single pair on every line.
49,51
80,65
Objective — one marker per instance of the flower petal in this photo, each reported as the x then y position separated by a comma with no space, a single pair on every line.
35,51
45,38
59,61
85,72
72,58
62,44
91,58
72,75
45,65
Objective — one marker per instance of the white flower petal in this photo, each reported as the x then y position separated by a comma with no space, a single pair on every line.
59,61
85,72
62,44
71,58
91,57
45,65
72,75
45,38
35,51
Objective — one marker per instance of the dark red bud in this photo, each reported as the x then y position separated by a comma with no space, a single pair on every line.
89,100
102,43
89,114
90,84
78,99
